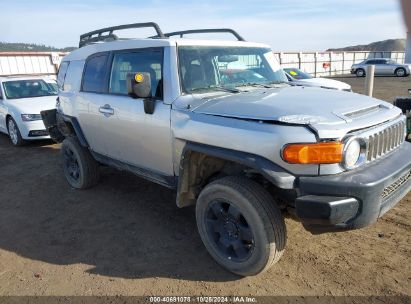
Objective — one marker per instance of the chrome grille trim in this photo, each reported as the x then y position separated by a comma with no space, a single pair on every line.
384,138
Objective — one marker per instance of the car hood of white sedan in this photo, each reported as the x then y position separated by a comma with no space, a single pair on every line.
324,82
33,105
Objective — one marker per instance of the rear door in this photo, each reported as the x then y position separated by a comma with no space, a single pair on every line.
382,67
92,101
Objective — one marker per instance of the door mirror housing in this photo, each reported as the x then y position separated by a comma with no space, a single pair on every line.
139,86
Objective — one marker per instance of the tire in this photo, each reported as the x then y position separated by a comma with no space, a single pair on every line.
360,73
14,133
240,225
400,72
80,168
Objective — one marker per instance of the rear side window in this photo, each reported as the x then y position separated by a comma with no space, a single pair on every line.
95,74
143,60
62,74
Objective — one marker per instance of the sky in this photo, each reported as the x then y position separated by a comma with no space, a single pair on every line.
286,25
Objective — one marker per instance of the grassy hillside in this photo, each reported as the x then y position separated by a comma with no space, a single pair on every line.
31,47
389,45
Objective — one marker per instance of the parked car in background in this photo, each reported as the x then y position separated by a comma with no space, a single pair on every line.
297,77
21,100
383,66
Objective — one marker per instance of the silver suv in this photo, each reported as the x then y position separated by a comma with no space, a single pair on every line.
243,149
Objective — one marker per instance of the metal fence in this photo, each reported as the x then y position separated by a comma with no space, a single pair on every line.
315,63
29,63
330,63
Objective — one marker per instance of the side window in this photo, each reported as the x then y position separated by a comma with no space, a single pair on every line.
1,94
371,62
62,74
145,60
95,74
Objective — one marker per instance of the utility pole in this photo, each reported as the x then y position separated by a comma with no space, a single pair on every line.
406,9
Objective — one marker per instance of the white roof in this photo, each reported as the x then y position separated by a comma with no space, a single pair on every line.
83,52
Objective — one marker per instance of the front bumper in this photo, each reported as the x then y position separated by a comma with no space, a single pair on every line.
357,198
31,130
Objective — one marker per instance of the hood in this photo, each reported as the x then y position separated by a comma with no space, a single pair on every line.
33,105
324,82
331,113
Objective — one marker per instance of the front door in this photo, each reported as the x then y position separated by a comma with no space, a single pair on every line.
127,133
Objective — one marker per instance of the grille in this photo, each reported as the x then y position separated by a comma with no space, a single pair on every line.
385,140
395,185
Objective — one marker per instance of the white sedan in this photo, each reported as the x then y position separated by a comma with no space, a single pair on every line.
21,100
297,77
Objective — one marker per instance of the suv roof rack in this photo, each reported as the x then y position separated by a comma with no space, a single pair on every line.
88,38
203,31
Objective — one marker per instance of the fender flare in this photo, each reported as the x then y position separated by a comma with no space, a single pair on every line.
271,171
76,127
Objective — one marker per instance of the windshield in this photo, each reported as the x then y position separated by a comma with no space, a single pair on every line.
53,87
205,68
297,74
27,88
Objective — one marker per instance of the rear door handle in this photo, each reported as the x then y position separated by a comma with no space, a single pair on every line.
107,110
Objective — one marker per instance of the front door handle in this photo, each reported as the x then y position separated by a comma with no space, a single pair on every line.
107,110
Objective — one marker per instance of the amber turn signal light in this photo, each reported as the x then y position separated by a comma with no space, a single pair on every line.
316,153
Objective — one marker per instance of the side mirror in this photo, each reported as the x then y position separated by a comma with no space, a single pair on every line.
409,91
139,86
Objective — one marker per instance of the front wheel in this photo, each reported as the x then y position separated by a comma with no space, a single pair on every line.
14,133
240,225
360,73
80,168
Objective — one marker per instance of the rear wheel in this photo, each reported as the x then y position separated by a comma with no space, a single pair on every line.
80,168
360,73
14,133
400,72
240,225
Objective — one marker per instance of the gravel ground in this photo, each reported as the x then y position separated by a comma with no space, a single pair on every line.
127,237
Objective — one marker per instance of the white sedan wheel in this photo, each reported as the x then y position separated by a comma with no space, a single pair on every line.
14,132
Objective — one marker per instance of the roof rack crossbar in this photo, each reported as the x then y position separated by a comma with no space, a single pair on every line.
203,31
88,38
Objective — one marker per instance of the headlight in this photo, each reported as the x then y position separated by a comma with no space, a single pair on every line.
354,152
30,117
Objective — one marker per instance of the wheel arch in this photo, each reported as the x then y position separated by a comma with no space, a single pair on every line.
69,125
8,116
201,163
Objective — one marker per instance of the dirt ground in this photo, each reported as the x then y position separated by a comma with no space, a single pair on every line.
127,237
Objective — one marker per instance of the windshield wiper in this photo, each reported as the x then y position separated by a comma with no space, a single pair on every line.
254,84
277,82
217,88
